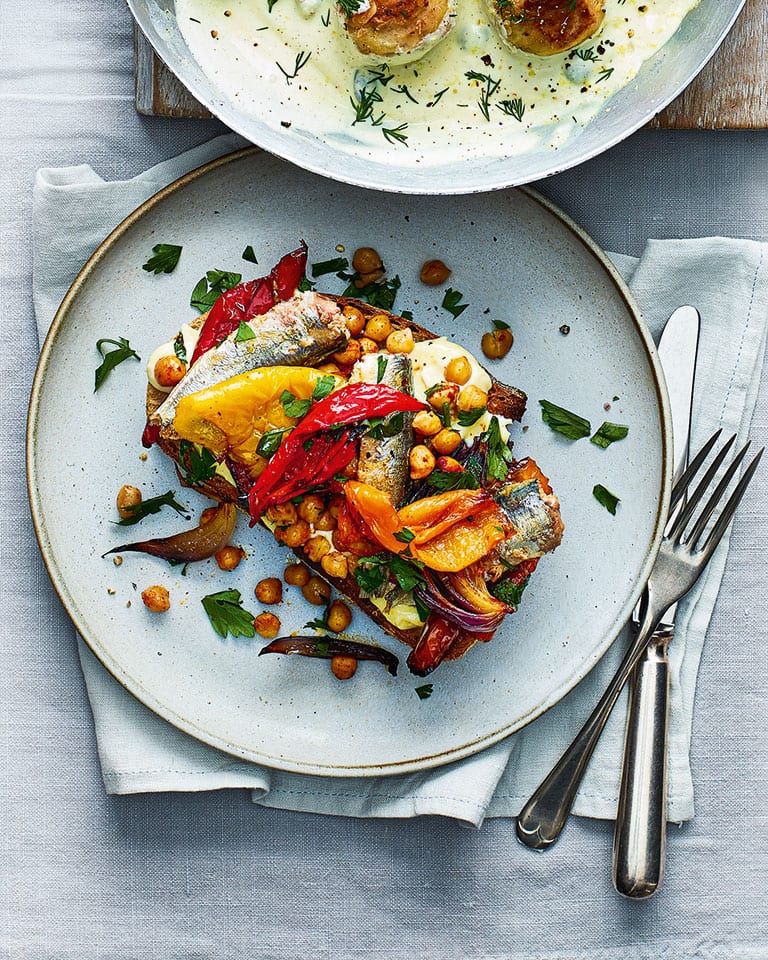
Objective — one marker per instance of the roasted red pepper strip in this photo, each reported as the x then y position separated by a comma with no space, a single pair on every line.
301,456
251,299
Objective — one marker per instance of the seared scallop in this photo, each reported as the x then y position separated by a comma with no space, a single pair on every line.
547,27
402,29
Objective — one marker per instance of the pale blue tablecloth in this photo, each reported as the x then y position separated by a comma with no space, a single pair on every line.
211,875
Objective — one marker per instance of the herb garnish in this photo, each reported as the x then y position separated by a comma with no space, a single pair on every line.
468,418
302,58
179,349
508,592
609,433
349,7
606,498
320,623
210,287
244,332
249,254
513,108
499,454
269,442
166,257
381,367
372,572
329,266
153,505
491,85
405,535
226,614
395,134
293,406
111,358
324,387
443,480
563,421
380,293
200,464
424,691
452,302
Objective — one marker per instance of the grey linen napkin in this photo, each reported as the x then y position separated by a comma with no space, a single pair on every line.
726,279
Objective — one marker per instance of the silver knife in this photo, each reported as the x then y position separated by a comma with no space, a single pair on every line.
641,820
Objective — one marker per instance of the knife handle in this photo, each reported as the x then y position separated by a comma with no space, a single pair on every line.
641,820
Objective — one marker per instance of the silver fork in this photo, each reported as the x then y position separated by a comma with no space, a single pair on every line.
681,559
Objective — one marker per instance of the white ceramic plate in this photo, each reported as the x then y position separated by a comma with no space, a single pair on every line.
265,112
514,257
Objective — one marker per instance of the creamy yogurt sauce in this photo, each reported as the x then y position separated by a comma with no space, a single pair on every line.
294,67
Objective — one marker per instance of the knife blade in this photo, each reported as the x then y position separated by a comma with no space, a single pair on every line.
641,818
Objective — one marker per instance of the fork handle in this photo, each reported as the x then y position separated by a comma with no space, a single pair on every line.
542,819
641,821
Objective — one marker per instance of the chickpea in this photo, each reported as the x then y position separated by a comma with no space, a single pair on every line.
296,574
471,398
400,341
127,497
316,548
169,370
269,590
325,522
343,668
282,514
296,534
422,461
339,616
458,370
449,465
335,505
311,507
427,423
434,272
335,565
446,441
367,345
354,319
446,393
378,327
229,557
267,625
349,355
366,260
497,343
316,591
156,598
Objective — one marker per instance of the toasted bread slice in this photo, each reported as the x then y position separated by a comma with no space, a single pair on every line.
503,400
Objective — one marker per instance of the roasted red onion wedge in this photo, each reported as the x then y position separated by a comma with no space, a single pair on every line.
327,648
197,544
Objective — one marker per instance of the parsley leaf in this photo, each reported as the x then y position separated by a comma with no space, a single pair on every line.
380,293
145,507
405,535
166,256
452,302
200,464
210,287
609,433
320,623
500,325
111,358
499,454
249,254
372,572
424,691
562,421
226,614
179,349
293,406
461,480
606,498
269,442
381,368
244,332
324,387
508,592
468,418
329,266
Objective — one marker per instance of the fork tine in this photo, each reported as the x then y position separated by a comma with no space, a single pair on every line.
730,508
681,522
713,501
691,470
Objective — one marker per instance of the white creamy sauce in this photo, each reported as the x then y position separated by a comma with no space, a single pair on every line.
295,67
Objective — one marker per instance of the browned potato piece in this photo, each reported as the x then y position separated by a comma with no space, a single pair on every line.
547,27
400,28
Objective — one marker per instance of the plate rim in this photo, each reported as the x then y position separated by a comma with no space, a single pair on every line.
275,140
391,768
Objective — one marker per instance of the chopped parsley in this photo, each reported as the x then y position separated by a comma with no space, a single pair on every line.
164,260
442,480
373,572
424,691
468,418
293,406
244,332
324,387
269,442
226,614
210,287
499,454
609,433
111,358
329,266
563,421
179,349
200,464
508,592
604,497
249,254
452,302
153,505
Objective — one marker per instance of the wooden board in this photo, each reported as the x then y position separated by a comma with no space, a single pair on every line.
731,92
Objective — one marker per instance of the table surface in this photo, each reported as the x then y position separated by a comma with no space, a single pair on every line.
212,875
